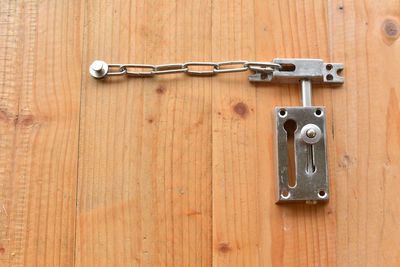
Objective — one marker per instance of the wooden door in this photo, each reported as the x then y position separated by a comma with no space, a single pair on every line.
178,170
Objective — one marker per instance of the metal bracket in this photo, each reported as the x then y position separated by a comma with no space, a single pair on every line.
296,69
307,132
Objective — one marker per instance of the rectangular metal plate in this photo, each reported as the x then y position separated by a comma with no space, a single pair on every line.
295,69
310,186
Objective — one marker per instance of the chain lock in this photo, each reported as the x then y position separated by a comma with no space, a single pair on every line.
100,69
305,125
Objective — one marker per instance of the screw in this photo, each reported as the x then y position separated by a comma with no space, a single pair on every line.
311,133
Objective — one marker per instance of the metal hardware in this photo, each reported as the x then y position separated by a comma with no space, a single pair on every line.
295,69
309,136
100,69
310,163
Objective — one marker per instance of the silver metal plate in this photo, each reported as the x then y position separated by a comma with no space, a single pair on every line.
311,186
295,69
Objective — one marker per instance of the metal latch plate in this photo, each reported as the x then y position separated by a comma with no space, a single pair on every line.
311,183
295,69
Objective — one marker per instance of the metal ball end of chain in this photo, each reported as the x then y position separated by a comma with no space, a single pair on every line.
98,69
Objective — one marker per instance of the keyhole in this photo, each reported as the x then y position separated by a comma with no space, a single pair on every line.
290,127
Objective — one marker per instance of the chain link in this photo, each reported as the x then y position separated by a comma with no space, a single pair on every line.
100,69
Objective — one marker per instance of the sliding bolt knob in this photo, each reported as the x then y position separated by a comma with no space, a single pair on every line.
98,69
311,133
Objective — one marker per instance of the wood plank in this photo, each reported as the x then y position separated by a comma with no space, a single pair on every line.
179,171
40,49
249,229
235,206
358,226
366,133
145,157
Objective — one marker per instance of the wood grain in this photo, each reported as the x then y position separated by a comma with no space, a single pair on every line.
242,162
39,117
145,157
178,170
235,195
249,230
366,137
